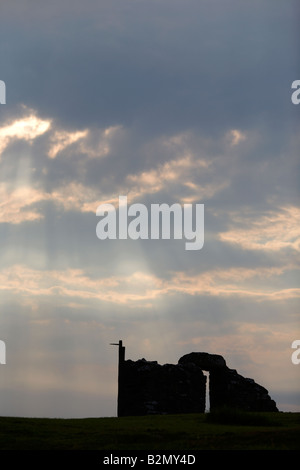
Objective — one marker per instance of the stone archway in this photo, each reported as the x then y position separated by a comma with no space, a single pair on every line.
227,387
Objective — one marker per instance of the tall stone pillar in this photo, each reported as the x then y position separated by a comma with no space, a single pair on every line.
120,376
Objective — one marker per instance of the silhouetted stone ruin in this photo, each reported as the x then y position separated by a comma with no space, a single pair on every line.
227,387
146,387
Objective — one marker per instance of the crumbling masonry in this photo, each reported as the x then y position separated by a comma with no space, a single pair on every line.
150,388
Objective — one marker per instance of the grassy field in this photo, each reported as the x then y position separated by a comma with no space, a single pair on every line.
268,431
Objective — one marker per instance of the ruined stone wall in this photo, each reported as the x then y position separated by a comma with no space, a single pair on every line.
150,388
146,387
228,388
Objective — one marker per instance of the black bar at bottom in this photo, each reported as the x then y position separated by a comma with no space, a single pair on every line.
141,459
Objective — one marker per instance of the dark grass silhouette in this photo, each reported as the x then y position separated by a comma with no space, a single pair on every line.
281,431
235,416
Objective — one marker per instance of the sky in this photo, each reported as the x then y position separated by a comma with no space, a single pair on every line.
162,101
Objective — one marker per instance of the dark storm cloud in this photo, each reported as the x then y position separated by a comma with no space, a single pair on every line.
162,66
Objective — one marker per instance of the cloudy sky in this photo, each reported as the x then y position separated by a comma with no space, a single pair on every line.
164,101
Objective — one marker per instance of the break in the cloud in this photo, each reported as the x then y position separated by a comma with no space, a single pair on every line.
276,230
63,139
137,287
16,204
28,129
174,175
